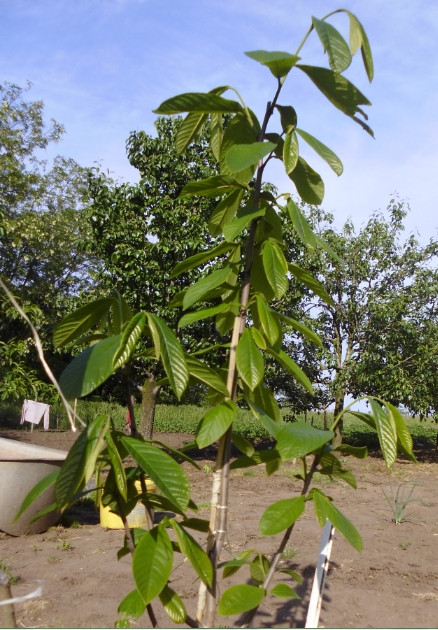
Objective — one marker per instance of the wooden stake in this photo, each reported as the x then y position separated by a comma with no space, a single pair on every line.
322,564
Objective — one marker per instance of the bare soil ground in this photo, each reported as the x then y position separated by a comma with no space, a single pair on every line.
393,583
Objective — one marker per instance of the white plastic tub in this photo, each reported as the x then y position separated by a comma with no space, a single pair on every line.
22,466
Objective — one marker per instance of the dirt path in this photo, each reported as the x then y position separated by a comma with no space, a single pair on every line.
393,583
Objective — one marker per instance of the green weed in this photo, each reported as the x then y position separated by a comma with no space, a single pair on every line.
399,500
13,579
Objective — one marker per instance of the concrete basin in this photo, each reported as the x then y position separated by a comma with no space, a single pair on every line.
22,466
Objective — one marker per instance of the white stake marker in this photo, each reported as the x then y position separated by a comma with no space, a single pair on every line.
320,575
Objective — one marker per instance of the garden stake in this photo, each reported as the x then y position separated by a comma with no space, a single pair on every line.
322,564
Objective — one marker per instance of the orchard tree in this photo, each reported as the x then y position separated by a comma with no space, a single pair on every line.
379,333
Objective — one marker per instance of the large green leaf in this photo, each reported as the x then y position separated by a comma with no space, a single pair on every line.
80,321
334,44
298,439
117,465
249,361
310,282
301,225
240,598
36,491
330,465
339,91
204,285
121,313
215,422
169,349
323,151
290,151
206,103
403,434
199,259
216,134
324,509
284,590
195,554
206,375
268,321
386,430
173,605
290,366
308,183
224,212
242,220
279,63
281,515
90,369
80,462
288,119
243,128
240,156
164,471
128,342
152,563
214,186
275,266
189,130
205,313
359,39
132,605
265,400
301,328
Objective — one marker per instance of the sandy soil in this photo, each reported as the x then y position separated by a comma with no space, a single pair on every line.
393,583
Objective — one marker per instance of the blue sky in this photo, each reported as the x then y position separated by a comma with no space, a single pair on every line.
102,66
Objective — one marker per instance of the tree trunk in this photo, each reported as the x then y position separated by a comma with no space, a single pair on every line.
149,394
339,405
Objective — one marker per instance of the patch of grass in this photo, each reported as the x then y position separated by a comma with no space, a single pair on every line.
53,559
64,545
289,553
404,545
399,500
13,579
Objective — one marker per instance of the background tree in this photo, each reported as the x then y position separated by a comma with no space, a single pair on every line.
41,223
380,333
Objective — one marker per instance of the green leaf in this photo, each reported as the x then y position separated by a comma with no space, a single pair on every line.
215,423
323,245
259,568
240,598
403,434
117,465
323,151
173,605
244,445
204,313
216,134
386,430
308,183
214,186
324,509
243,128
36,491
360,452
243,218
290,151
200,259
206,375
240,156
169,349
272,426
288,118
358,38
249,361
230,567
298,439
152,563
279,63
80,462
310,282
267,321
331,466
202,286
130,337
284,590
281,515
122,313
301,328
224,212
334,44
336,88
80,321
206,103
164,471
90,369
189,130
132,605
265,400
275,266
195,554
301,225
290,366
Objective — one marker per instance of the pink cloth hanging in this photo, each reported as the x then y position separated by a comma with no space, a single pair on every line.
33,411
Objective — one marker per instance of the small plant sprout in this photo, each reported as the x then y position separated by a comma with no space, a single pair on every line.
399,499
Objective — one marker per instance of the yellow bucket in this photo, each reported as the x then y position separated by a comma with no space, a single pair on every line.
136,518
